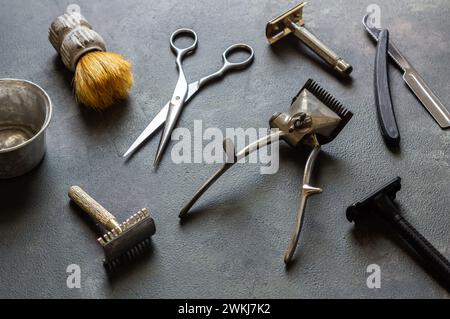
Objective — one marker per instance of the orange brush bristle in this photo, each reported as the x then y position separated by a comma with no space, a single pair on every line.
102,78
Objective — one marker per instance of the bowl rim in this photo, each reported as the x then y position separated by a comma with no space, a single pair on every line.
48,115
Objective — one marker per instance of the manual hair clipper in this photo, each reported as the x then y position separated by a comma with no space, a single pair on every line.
315,118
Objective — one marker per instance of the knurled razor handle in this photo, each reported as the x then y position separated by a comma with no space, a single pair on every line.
72,36
338,63
93,208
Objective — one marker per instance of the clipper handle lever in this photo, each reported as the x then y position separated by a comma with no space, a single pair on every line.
233,157
307,190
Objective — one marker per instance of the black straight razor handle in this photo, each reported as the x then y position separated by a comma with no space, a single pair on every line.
383,100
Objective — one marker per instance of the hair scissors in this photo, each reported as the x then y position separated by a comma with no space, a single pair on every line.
184,92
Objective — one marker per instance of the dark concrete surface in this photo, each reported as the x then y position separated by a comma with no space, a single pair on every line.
233,244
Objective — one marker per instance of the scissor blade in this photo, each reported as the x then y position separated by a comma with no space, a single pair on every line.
156,123
172,117
192,89
159,120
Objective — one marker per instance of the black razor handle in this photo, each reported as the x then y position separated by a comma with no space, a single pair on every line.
383,100
436,262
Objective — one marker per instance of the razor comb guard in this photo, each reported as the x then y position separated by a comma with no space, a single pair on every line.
137,229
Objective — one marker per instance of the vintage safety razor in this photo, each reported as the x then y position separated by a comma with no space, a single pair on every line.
122,242
292,22
315,118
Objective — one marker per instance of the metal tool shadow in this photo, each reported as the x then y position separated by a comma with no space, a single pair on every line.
16,192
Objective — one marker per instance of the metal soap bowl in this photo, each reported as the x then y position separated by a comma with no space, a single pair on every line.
25,112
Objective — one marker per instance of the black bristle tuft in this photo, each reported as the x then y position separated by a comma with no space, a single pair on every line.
332,103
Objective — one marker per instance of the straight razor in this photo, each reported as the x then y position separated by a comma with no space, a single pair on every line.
415,82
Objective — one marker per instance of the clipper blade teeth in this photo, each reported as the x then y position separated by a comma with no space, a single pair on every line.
333,104
326,98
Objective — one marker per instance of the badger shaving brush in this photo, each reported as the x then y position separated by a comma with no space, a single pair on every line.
101,78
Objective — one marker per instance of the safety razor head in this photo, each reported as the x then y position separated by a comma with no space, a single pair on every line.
129,240
357,209
278,27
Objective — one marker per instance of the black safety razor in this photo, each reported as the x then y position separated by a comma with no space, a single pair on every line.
381,203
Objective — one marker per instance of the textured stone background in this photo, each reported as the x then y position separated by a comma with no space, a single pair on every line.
233,244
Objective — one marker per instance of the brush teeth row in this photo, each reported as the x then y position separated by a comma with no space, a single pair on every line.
326,98
133,253
129,223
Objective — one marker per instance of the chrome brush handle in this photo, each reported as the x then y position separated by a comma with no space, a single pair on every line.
227,144
306,191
